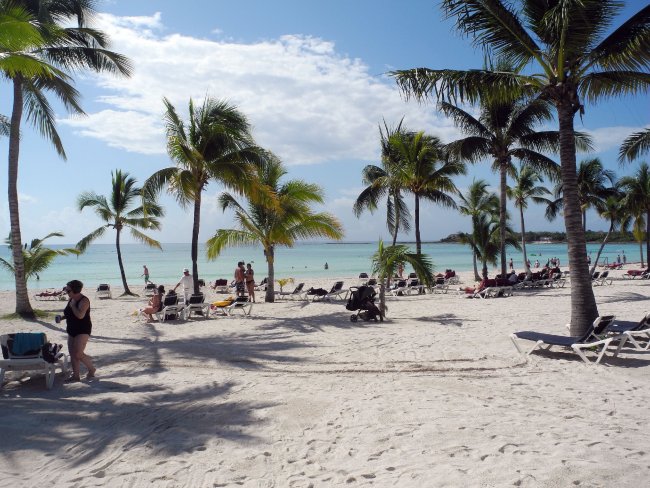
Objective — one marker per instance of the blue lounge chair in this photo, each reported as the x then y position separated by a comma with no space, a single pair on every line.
588,340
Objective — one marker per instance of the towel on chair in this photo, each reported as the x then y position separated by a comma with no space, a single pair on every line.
27,342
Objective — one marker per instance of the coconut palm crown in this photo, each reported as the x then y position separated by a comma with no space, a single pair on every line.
274,223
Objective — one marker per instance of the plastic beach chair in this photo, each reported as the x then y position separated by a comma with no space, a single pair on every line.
29,357
588,340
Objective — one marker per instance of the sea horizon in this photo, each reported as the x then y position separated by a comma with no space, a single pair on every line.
303,262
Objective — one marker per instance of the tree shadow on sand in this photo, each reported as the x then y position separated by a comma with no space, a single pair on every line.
80,423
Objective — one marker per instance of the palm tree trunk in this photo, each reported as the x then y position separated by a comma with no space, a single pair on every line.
395,235
647,234
476,276
583,303
523,240
584,221
382,297
23,307
270,286
641,253
485,269
503,166
600,250
119,261
418,243
195,242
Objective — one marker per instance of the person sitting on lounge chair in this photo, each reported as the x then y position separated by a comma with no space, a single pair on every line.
155,303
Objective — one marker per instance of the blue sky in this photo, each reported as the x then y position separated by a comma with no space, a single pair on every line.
309,75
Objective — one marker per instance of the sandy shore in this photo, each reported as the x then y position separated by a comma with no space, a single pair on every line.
299,396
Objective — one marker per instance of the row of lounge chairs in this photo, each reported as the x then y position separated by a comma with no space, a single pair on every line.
601,334
174,309
601,279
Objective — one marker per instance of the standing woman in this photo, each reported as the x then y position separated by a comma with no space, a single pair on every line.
249,275
79,327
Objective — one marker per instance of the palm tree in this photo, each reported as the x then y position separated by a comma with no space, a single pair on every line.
615,212
37,257
274,224
525,189
485,240
634,146
595,185
478,201
636,189
388,259
214,145
572,55
425,171
638,224
118,212
382,181
505,129
41,69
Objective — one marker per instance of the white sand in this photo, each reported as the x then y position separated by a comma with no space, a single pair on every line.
298,396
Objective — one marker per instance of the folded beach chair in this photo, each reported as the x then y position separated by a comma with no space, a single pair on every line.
24,352
197,305
336,292
171,310
590,339
103,291
297,294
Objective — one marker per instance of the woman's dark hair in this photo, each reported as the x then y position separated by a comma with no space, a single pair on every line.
161,289
75,286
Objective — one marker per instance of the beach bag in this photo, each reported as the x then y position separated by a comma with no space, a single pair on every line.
51,352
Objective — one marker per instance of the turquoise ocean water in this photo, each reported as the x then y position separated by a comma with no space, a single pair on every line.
305,261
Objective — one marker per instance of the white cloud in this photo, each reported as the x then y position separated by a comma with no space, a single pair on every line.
606,138
307,103
24,198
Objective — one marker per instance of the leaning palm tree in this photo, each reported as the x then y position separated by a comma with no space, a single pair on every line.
426,171
476,202
36,256
119,213
274,223
387,260
634,146
525,189
595,185
62,49
381,182
614,211
506,129
571,54
636,191
214,145
485,240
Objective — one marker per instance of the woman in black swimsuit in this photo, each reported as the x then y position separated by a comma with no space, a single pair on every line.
79,328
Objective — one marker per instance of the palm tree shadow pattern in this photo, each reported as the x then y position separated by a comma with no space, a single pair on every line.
83,424
442,319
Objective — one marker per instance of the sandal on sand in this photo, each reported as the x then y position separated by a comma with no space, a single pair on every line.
91,374
72,379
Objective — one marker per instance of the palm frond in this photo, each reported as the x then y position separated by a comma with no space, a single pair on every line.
224,238
83,244
634,146
596,86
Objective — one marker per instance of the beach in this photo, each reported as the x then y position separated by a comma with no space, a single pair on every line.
297,395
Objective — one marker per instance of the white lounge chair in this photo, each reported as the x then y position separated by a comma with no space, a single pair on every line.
103,291
149,289
415,287
239,303
398,289
602,280
590,339
30,360
632,333
197,305
171,310
336,292
297,294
